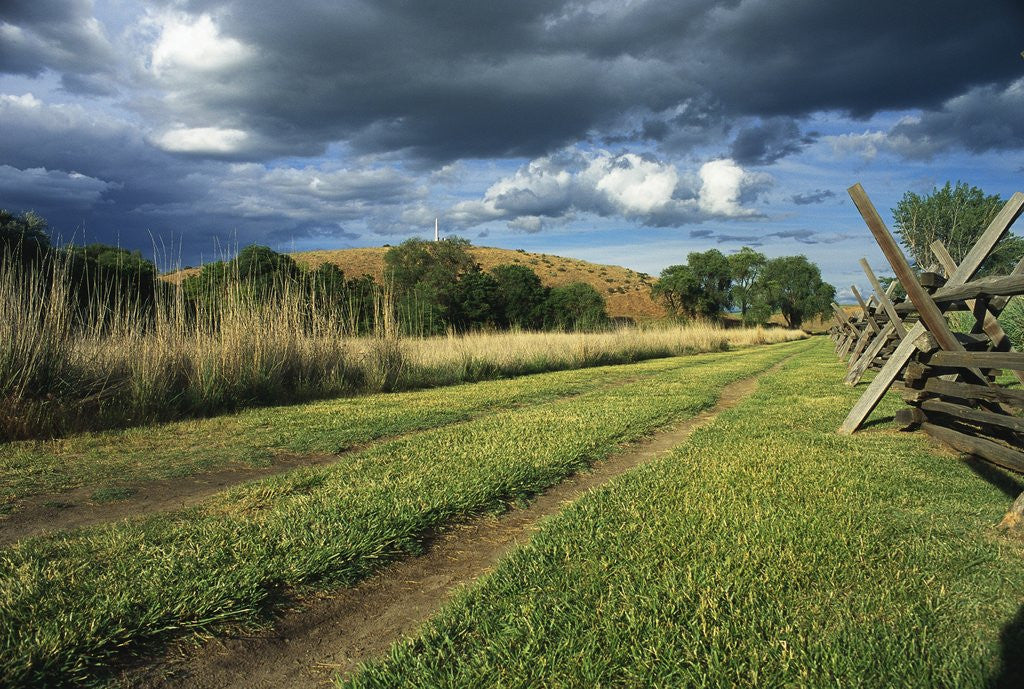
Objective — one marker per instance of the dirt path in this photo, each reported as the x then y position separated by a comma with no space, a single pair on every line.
74,509
335,633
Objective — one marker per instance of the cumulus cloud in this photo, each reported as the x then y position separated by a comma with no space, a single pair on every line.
986,118
187,45
485,79
252,190
168,104
627,185
983,119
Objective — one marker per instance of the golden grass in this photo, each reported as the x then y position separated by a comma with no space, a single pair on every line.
62,372
516,350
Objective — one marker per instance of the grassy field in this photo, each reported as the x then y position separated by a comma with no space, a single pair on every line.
71,602
63,372
766,551
253,437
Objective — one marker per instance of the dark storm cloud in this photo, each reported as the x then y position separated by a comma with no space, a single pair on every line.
191,120
810,197
457,79
983,119
36,35
120,189
772,139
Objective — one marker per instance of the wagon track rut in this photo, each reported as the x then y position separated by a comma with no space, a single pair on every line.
333,633
76,508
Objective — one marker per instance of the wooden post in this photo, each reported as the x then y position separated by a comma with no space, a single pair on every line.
926,308
964,272
857,370
883,297
864,307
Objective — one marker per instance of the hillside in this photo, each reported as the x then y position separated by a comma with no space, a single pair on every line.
626,292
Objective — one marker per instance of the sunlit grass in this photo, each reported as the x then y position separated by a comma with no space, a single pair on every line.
765,551
108,459
68,603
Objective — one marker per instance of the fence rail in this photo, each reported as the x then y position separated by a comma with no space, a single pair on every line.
947,379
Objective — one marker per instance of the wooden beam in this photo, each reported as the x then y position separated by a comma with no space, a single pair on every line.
967,391
883,297
964,359
861,365
986,449
864,308
964,272
999,303
862,342
989,323
926,308
981,288
1013,423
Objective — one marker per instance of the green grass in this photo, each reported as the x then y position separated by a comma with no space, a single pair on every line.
108,460
68,603
766,551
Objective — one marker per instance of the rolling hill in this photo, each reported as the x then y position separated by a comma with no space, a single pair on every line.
626,292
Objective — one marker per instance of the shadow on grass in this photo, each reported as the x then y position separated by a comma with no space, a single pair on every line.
1009,484
878,421
1011,642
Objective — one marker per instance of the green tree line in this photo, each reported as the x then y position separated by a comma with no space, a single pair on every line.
710,283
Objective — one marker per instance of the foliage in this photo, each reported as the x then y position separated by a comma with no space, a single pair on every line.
431,270
477,300
522,296
1012,320
102,276
956,215
699,288
793,285
744,268
23,237
576,306
674,286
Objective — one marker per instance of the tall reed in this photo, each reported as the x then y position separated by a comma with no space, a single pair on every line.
121,362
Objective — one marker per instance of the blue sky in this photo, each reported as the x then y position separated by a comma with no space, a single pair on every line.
628,132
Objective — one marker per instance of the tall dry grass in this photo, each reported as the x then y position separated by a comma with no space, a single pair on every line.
62,370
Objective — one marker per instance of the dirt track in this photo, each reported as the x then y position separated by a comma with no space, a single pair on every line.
331,634
75,509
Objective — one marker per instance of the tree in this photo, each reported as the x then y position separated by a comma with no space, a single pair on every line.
744,267
699,288
674,288
260,264
576,306
522,295
258,270
23,238
477,301
956,215
437,264
431,270
793,285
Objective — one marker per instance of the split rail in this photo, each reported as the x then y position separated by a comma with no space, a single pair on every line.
948,379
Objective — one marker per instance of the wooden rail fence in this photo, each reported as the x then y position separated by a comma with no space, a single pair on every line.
948,379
